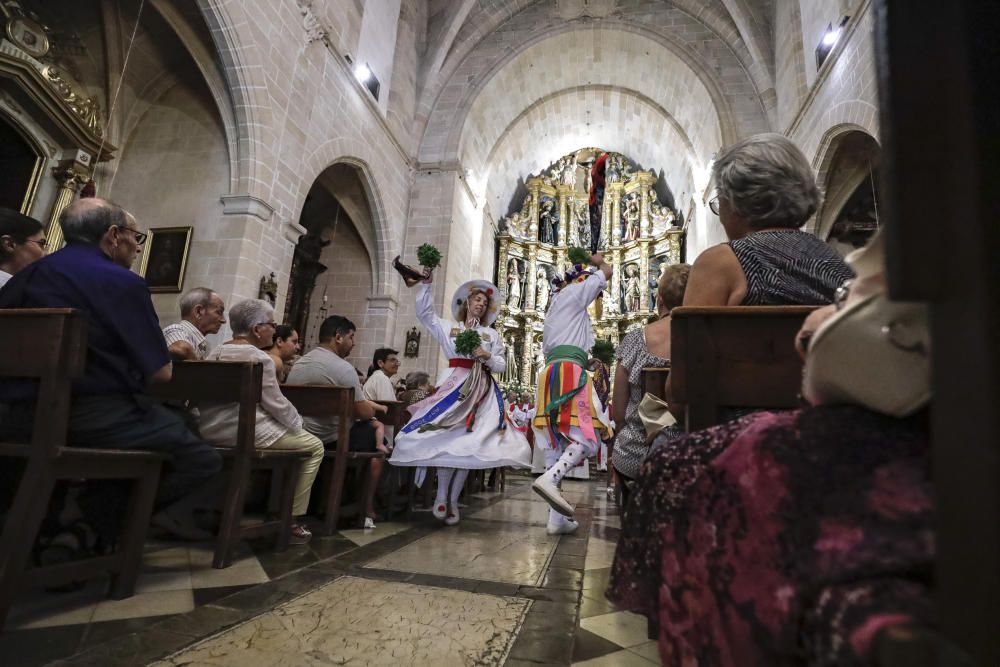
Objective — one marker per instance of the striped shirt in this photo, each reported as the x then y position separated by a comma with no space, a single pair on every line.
789,267
187,332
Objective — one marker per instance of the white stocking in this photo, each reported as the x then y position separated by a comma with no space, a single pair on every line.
444,476
457,484
571,456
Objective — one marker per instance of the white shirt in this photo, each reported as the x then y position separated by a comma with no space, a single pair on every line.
187,332
4,277
275,414
379,387
442,330
567,321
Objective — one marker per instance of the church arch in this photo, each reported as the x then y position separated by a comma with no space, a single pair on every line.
848,174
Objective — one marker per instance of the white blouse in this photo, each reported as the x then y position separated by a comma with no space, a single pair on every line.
567,321
275,414
445,331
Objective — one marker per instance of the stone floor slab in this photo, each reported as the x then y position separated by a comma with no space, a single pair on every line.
355,621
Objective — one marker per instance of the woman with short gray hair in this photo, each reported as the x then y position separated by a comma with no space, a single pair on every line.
766,191
278,423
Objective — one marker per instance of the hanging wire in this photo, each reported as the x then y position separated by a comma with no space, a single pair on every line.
871,179
118,90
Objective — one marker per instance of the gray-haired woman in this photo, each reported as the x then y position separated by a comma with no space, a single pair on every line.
278,423
766,192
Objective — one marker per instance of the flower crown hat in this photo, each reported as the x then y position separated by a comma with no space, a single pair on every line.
466,290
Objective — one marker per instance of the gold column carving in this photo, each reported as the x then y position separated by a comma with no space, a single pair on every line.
530,281
615,190
565,212
71,175
646,182
644,271
534,188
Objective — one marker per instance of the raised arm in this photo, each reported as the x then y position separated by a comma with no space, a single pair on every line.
435,326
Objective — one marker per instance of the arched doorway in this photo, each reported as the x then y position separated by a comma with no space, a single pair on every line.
332,269
850,213
21,164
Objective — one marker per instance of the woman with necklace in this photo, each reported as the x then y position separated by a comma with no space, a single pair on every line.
463,425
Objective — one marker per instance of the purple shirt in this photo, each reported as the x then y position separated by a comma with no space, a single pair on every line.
125,345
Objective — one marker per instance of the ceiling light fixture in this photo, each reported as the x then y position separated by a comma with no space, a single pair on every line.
831,36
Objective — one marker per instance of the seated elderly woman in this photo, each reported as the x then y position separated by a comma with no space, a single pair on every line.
766,192
278,423
796,537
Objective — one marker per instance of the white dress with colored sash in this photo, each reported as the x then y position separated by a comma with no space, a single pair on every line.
439,433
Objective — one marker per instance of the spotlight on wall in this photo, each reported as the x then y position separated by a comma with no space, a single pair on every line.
830,38
367,78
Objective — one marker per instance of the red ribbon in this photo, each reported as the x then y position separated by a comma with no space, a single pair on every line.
461,363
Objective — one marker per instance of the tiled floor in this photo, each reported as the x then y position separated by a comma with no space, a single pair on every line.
494,590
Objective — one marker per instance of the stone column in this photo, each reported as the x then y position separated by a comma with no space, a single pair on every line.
71,175
528,354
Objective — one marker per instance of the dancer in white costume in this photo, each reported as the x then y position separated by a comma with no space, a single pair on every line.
570,420
464,425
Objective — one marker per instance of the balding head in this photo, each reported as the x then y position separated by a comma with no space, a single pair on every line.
87,220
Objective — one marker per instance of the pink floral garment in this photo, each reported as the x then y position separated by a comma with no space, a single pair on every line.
780,539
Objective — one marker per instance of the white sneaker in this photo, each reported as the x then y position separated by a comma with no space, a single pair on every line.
546,489
369,523
440,511
564,527
453,517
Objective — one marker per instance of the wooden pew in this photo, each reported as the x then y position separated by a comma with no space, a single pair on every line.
654,381
324,401
239,382
741,356
56,339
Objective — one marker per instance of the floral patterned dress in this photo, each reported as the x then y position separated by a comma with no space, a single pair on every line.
781,538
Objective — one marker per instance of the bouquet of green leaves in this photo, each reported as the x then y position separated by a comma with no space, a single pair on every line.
578,256
467,341
429,256
604,350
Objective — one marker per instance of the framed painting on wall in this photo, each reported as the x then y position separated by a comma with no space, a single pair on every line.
164,259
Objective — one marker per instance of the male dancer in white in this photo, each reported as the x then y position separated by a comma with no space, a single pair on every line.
570,419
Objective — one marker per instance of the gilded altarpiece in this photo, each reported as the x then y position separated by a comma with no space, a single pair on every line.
638,235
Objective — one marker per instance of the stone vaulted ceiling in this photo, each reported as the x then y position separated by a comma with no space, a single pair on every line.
507,86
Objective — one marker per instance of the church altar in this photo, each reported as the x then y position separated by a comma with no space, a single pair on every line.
638,235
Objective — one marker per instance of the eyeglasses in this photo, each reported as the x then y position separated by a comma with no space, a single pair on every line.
713,204
41,244
273,325
140,237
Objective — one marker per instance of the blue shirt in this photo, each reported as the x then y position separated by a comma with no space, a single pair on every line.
125,345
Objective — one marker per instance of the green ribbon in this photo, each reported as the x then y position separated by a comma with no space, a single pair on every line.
574,355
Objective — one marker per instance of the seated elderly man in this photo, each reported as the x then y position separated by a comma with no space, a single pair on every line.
278,424
202,313
326,364
125,352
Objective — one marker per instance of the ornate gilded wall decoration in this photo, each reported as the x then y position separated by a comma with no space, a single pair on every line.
638,233
412,347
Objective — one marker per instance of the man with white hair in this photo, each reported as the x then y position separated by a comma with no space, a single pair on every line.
202,313
110,407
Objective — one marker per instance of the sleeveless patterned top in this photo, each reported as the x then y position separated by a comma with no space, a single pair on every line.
789,267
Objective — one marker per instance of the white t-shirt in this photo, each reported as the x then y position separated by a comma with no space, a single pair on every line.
379,387
567,321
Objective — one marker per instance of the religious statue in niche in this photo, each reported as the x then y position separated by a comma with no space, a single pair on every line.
582,219
613,172
514,284
631,289
569,172
268,289
412,347
630,217
661,217
656,267
548,221
542,289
